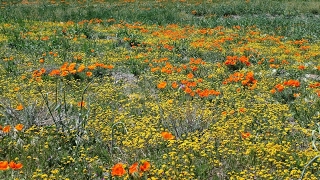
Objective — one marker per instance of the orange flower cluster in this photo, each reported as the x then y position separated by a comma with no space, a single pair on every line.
167,46
38,73
278,87
292,83
19,107
162,85
247,80
91,21
245,135
168,68
188,83
73,68
301,67
234,60
315,85
118,170
281,87
81,104
174,33
7,128
235,77
207,92
276,63
167,136
134,170
305,48
188,86
5,165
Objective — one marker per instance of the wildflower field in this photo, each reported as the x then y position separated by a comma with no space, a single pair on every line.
167,89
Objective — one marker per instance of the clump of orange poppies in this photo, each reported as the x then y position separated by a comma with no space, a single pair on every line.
247,80
245,135
167,135
5,165
134,170
287,91
7,128
235,62
162,85
289,83
68,69
315,86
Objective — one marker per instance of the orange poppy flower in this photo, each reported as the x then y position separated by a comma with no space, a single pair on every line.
77,57
145,166
81,104
296,95
292,82
64,73
162,85
19,127
4,165
250,76
89,74
190,75
245,135
274,66
118,170
19,107
15,166
42,71
155,69
279,87
55,72
73,71
174,85
193,68
6,129
109,66
92,67
214,92
192,84
81,68
36,73
179,70
71,66
242,110
301,67
167,136
188,90
133,168
238,90
64,66
245,82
